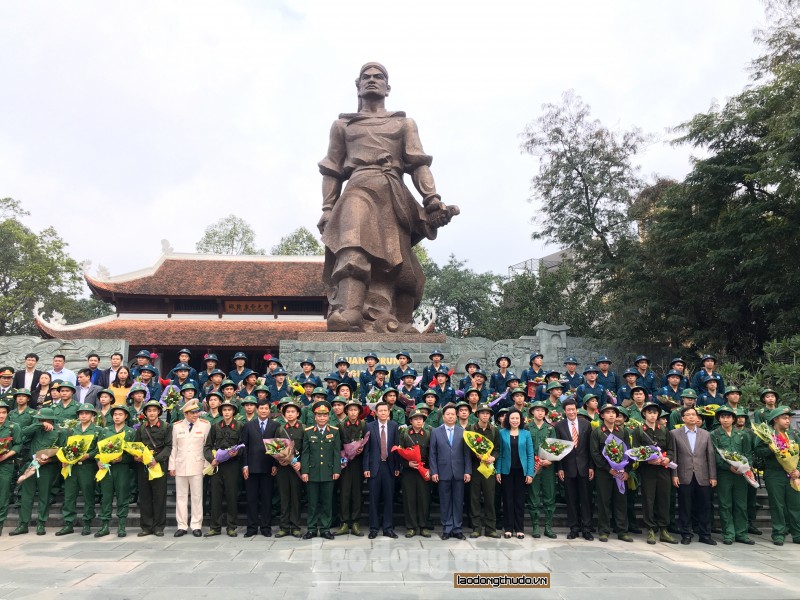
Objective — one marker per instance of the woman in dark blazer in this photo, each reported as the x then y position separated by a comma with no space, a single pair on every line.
515,470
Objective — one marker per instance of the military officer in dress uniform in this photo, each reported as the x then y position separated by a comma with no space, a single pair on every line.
321,466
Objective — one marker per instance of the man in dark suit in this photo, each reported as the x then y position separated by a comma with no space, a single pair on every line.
381,467
451,469
576,471
87,392
258,469
695,476
29,376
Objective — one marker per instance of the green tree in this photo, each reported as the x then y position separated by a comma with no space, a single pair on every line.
463,299
33,267
231,235
301,242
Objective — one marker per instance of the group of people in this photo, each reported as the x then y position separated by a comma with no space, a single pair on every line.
475,445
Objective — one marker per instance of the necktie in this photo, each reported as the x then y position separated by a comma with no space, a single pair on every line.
262,427
190,426
384,453
450,435
574,432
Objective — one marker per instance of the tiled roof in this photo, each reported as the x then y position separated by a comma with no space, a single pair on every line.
193,275
184,332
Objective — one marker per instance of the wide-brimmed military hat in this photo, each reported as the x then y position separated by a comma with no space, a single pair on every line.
87,407
651,405
352,402
227,383
155,403
537,404
766,391
725,409
502,356
287,402
340,360
403,353
67,384
591,369
554,385
417,413
25,392
239,355
380,368
777,412
188,386
483,408
533,355
46,414
228,403
732,390
249,400
603,358
338,400
689,393
209,357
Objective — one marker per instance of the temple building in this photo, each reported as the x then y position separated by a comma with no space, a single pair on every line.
207,303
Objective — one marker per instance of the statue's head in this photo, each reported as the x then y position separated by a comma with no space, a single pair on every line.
373,80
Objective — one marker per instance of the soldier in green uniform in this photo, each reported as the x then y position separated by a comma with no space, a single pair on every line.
352,429
742,423
67,409
43,433
770,399
11,435
248,412
784,502
543,488
431,398
416,492
321,466
81,480
482,489
396,414
654,475
118,480
212,415
157,436
289,484
225,482
21,413
553,404
188,392
337,416
608,495
731,485
689,397
307,418
639,397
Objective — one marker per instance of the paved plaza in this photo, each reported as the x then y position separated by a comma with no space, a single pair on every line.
226,568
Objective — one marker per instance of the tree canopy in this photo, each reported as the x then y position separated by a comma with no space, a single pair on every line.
301,242
230,235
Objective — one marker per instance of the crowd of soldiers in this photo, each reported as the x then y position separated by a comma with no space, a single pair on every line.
382,412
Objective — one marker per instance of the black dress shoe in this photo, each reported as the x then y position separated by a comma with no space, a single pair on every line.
310,535
249,534
686,540
159,534
572,535
445,536
390,534
709,541
458,536
197,533
372,534
588,536
328,535
266,532
179,533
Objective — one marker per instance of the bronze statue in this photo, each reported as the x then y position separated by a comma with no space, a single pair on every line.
373,277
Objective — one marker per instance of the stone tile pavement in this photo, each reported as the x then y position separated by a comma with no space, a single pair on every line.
225,568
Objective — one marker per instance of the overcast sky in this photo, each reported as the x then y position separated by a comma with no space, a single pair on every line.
124,123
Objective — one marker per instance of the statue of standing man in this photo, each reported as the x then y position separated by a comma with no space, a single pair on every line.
373,278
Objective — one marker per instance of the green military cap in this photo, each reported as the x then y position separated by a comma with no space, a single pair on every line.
106,391
470,390
766,391
86,407
431,392
726,410
249,400
353,402
188,386
227,382
339,400
417,413
4,405
289,402
518,390
607,407
24,392
483,408
777,412
261,388
318,391
155,403
423,406
215,393
625,413
537,404
650,405
742,412
503,411
321,406
229,404
589,396
67,384
122,408
461,404
388,391
46,414
732,390
689,393
554,385
664,414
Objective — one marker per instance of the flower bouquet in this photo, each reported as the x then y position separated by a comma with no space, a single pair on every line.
38,459
482,447
667,401
611,398
139,450
170,397
740,463
632,424
533,385
295,386
709,410
350,450
554,449
77,446
647,453
109,449
69,424
139,420
494,398
614,453
786,450
554,416
283,451
413,454
5,444
223,455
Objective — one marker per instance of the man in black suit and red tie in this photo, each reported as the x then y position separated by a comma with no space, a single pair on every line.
576,471
381,467
259,469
